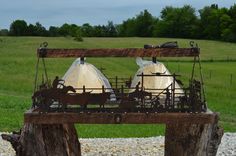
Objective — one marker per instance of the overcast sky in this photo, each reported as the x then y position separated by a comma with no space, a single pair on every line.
57,12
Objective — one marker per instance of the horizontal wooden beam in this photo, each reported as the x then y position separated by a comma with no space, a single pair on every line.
122,118
128,52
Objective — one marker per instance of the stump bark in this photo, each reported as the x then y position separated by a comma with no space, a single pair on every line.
183,139
46,140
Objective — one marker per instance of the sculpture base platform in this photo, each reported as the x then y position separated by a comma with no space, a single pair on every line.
196,134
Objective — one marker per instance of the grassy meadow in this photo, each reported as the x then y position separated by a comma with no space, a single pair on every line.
17,70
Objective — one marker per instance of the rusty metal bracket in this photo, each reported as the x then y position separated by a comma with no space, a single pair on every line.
42,51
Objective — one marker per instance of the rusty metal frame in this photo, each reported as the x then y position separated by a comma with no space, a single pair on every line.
125,52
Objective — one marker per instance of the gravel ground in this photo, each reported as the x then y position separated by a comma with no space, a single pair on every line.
5,147
153,146
228,145
130,146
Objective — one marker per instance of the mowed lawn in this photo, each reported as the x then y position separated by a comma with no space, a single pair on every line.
17,70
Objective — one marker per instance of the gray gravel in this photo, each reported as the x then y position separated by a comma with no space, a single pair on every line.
130,146
5,147
153,146
228,145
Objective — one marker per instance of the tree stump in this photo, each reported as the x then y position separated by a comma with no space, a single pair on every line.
183,139
45,140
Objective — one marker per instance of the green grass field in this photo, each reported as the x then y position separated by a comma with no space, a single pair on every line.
17,70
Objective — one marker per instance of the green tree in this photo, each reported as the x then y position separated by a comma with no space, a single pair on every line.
4,32
31,30
218,23
229,34
127,28
98,32
53,31
87,30
18,28
111,29
210,22
177,22
40,30
78,36
36,30
64,29
73,30
144,24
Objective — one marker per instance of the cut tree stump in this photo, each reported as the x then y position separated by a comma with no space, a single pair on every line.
192,139
45,140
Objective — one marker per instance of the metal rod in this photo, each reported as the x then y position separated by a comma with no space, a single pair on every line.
142,81
203,88
82,60
120,78
45,70
194,61
173,92
36,75
154,59
161,75
161,89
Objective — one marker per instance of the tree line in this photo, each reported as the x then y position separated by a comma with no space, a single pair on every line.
210,22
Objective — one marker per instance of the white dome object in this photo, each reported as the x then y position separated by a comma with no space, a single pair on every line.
85,74
153,82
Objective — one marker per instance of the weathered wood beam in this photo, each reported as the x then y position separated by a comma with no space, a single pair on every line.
128,52
113,118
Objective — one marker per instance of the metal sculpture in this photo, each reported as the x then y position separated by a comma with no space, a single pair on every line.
58,97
